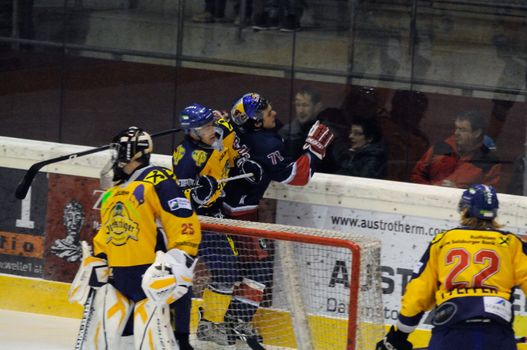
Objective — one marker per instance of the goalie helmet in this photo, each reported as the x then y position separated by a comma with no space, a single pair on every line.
480,201
248,110
130,144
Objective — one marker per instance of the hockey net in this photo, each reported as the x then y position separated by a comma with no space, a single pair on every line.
322,287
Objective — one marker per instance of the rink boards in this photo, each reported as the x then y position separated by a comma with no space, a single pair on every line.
403,216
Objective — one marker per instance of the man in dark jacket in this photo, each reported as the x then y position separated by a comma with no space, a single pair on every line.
308,105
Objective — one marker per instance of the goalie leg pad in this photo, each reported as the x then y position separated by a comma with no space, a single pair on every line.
152,328
111,312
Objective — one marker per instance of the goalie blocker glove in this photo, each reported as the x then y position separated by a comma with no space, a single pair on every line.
93,273
318,139
247,166
169,277
205,187
394,340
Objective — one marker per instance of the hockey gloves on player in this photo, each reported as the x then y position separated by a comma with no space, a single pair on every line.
318,139
247,166
169,277
394,340
93,273
204,188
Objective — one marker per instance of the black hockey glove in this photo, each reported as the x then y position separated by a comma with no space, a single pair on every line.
394,340
205,187
246,166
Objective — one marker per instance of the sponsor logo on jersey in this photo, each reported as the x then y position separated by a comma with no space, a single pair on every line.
178,154
179,203
155,177
504,241
498,306
200,157
120,226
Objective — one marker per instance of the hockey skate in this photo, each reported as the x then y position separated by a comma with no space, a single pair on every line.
245,332
214,332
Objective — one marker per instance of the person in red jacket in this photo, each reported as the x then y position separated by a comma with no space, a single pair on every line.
461,159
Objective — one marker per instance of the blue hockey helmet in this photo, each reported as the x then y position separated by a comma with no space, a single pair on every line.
195,116
248,109
481,201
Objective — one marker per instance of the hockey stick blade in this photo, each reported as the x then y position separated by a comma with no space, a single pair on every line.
23,186
27,180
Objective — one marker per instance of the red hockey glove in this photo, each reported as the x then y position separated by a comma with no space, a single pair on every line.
318,139
394,340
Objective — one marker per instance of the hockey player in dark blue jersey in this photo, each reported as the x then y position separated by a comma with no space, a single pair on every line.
254,121
468,274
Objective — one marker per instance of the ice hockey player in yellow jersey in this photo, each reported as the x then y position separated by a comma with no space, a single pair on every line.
468,275
144,253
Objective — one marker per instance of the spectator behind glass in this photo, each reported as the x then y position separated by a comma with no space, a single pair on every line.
308,104
462,159
402,134
366,156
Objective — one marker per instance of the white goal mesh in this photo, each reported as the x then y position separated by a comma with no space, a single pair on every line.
322,287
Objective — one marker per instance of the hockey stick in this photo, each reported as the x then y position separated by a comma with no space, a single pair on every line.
237,177
86,319
227,179
23,186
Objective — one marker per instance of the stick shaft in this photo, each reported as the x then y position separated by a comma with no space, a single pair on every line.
86,318
25,183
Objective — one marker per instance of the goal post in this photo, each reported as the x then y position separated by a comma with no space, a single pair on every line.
324,289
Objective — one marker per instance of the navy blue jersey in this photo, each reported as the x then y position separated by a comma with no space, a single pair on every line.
190,160
267,148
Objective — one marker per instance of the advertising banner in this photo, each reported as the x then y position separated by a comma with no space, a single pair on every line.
404,239
72,217
22,225
40,235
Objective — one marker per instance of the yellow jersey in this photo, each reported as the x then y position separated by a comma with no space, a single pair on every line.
469,274
135,215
